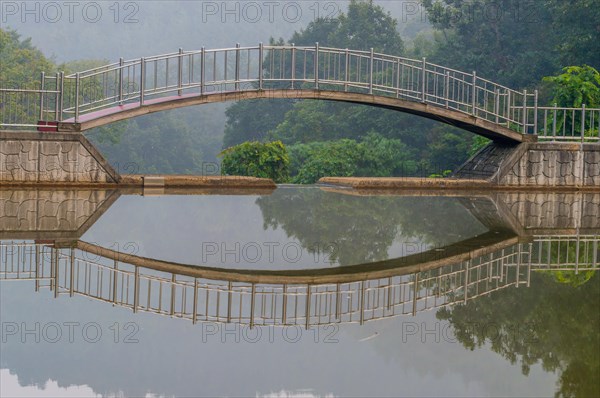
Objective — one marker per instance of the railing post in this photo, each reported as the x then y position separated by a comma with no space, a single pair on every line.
237,67
180,72
497,105
447,87
347,70
202,70
524,111
293,64
316,65
474,95
62,96
372,61
508,109
423,81
77,83
535,113
261,51
42,84
142,75
398,75
57,96
121,64
554,122
582,122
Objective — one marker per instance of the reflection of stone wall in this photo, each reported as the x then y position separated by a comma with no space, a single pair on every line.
49,157
48,210
554,210
555,164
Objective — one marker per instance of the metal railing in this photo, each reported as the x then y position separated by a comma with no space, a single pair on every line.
141,81
76,272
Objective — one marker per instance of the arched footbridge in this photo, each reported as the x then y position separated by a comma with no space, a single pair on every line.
129,88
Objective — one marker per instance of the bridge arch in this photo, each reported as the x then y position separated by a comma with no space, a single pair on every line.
448,116
126,89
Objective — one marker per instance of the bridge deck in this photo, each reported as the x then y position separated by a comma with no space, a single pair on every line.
450,116
106,112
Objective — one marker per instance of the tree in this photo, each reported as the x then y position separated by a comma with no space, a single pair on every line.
250,120
578,26
22,63
365,25
256,159
578,85
501,40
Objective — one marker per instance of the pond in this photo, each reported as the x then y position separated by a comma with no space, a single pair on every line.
299,292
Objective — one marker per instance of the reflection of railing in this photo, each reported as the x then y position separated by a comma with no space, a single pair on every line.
75,272
136,82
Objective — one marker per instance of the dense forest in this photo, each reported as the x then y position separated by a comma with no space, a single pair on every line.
515,43
503,41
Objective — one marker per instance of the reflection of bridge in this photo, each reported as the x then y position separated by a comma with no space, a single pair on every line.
527,232
74,271
127,89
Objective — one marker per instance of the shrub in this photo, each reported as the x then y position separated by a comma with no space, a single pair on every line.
257,159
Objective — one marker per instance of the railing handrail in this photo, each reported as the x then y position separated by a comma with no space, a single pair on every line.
369,71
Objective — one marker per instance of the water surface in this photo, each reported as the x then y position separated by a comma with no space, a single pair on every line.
508,306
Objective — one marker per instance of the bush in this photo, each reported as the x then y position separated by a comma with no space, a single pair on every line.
375,156
257,159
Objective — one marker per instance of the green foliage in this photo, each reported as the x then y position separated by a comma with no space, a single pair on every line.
445,173
479,142
250,120
375,156
568,254
22,63
577,23
21,66
255,159
363,26
332,159
328,217
82,65
367,25
538,325
512,42
577,86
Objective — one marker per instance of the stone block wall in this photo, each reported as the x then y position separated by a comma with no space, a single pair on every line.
552,165
39,158
554,211
51,214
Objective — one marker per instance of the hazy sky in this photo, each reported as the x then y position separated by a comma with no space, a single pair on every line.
109,29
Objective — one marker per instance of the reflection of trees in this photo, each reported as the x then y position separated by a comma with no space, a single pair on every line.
362,229
553,324
567,254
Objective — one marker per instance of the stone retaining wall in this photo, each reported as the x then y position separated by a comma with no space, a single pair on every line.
52,158
552,165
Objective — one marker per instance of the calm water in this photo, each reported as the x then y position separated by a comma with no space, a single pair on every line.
299,292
